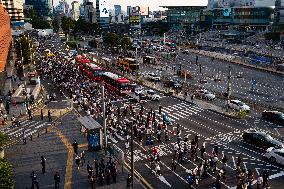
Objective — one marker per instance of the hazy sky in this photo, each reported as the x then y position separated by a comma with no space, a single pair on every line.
153,4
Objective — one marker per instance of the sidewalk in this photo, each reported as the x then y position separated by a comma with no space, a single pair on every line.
224,57
55,146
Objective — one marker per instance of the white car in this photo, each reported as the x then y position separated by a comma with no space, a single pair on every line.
152,95
205,94
238,105
275,155
153,76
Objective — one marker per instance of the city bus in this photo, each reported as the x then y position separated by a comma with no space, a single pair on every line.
128,64
116,83
149,60
93,71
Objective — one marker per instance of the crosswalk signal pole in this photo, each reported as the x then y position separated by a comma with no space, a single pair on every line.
132,156
104,118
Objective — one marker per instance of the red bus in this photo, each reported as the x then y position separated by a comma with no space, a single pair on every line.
92,70
116,83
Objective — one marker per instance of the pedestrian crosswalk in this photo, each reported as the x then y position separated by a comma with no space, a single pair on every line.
180,111
26,127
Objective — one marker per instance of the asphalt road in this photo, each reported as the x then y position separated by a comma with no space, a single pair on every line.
212,128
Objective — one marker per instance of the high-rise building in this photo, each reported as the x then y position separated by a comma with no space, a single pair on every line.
117,10
62,7
90,12
15,9
103,15
75,10
43,8
129,10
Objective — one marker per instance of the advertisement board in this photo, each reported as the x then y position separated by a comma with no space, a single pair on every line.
144,11
104,8
227,12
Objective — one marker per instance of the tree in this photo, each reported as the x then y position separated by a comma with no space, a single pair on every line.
83,26
6,175
93,43
55,25
125,43
156,28
67,24
3,139
111,39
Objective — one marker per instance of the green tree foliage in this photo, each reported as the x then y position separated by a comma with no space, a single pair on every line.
82,26
111,39
125,43
3,139
55,25
67,24
93,43
6,175
156,28
36,21
23,49
275,36
71,44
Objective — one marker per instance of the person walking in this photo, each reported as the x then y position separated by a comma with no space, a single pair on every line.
83,160
89,170
30,114
202,151
41,114
34,180
174,164
49,116
43,160
56,178
77,161
75,147
128,181
93,182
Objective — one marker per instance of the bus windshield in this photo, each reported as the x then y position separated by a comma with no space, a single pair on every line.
134,67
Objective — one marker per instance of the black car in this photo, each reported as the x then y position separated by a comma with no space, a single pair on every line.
274,116
261,139
173,84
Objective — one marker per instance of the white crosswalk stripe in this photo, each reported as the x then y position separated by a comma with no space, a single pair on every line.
180,111
28,127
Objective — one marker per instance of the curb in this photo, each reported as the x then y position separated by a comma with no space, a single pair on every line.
139,177
243,64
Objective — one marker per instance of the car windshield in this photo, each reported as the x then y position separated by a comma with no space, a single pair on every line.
151,92
241,104
280,115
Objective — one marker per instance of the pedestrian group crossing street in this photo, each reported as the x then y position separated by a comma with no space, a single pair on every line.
212,130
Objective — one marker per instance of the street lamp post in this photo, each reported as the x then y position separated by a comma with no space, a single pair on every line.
229,89
104,117
132,156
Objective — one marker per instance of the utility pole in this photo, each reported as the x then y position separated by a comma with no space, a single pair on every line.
104,117
229,90
132,156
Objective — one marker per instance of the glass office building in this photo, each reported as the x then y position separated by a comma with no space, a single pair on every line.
42,7
185,17
243,17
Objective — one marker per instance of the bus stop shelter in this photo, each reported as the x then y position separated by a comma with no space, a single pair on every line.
93,130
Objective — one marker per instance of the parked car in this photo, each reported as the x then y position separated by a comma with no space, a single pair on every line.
238,105
273,116
205,94
261,139
154,77
275,155
152,95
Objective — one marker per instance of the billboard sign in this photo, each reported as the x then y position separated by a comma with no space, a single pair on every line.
104,8
134,17
144,11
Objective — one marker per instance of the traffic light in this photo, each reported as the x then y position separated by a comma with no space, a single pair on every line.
160,109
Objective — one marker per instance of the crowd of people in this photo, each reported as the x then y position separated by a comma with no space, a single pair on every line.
148,128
